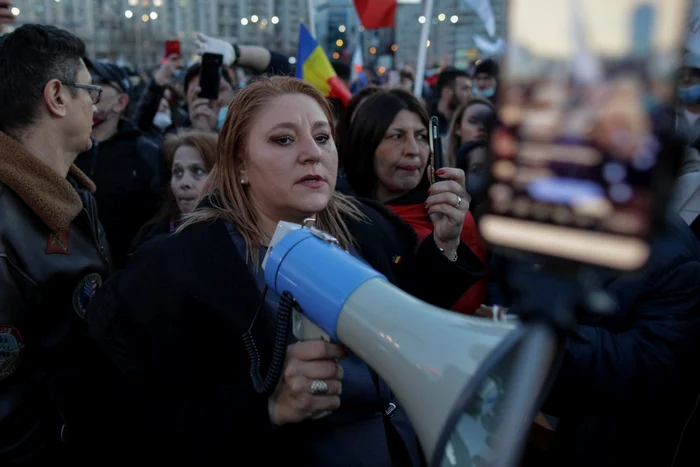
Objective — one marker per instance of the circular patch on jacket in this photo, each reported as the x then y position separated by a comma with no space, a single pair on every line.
85,291
11,346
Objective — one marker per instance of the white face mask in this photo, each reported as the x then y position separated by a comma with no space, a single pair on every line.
162,120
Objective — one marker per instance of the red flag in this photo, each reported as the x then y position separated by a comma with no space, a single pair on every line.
375,14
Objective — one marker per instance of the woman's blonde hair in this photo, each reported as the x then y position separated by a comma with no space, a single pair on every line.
229,199
454,141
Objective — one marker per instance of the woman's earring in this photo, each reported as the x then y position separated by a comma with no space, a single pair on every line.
243,182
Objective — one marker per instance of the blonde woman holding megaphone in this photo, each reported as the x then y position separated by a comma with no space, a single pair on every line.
205,366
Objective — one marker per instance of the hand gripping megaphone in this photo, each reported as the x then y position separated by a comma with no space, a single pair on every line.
457,377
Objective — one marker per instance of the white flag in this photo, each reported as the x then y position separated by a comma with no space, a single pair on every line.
693,29
489,48
485,13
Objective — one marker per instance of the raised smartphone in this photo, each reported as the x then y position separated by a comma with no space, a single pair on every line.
210,75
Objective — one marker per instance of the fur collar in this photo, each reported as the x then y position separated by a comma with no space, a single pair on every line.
49,196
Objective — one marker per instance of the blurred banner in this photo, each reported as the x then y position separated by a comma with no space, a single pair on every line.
375,14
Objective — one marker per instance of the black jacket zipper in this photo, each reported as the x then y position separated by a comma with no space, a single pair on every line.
89,208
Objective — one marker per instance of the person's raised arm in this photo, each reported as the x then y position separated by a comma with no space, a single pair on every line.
251,57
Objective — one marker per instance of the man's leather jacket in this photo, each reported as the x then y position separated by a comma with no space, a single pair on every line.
53,257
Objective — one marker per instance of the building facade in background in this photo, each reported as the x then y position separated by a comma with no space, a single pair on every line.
453,27
337,28
134,31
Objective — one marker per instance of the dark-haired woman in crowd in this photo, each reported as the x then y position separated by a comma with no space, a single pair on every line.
386,157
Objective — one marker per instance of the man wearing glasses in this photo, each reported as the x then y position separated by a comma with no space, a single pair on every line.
126,166
52,254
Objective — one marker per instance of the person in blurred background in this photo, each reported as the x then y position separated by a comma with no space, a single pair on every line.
6,15
686,199
157,97
406,79
474,160
126,165
627,361
189,157
473,121
688,118
485,79
469,134
453,89
205,114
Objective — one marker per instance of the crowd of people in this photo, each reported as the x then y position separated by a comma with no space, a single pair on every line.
135,216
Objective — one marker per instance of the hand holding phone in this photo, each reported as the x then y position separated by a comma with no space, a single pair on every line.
435,149
210,75
172,47
447,206
168,68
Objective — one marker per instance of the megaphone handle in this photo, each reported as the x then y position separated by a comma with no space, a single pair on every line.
304,329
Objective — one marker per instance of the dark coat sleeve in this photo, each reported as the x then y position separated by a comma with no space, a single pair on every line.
424,272
279,65
645,360
148,106
170,396
441,281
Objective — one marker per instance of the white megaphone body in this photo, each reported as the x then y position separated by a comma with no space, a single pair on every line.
450,373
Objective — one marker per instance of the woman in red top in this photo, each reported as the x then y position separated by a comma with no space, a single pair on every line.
386,154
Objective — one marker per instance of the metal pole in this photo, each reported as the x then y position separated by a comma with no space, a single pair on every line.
312,18
422,49
139,45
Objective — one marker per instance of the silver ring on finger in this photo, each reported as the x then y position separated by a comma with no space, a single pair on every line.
319,386
459,202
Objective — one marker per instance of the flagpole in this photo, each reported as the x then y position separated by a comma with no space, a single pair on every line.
423,49
312,18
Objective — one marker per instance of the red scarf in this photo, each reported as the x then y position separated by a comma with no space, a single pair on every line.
417,217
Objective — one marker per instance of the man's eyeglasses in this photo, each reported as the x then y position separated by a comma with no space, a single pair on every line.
94,91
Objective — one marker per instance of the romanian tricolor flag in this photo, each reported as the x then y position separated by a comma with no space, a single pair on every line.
314,68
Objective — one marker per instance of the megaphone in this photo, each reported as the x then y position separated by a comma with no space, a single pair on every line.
454,375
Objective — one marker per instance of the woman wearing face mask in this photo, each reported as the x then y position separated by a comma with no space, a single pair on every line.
386,161
189,158
172,322
688,118
163,119
154,113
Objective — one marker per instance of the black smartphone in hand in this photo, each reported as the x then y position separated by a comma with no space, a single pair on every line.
436,161
210,75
